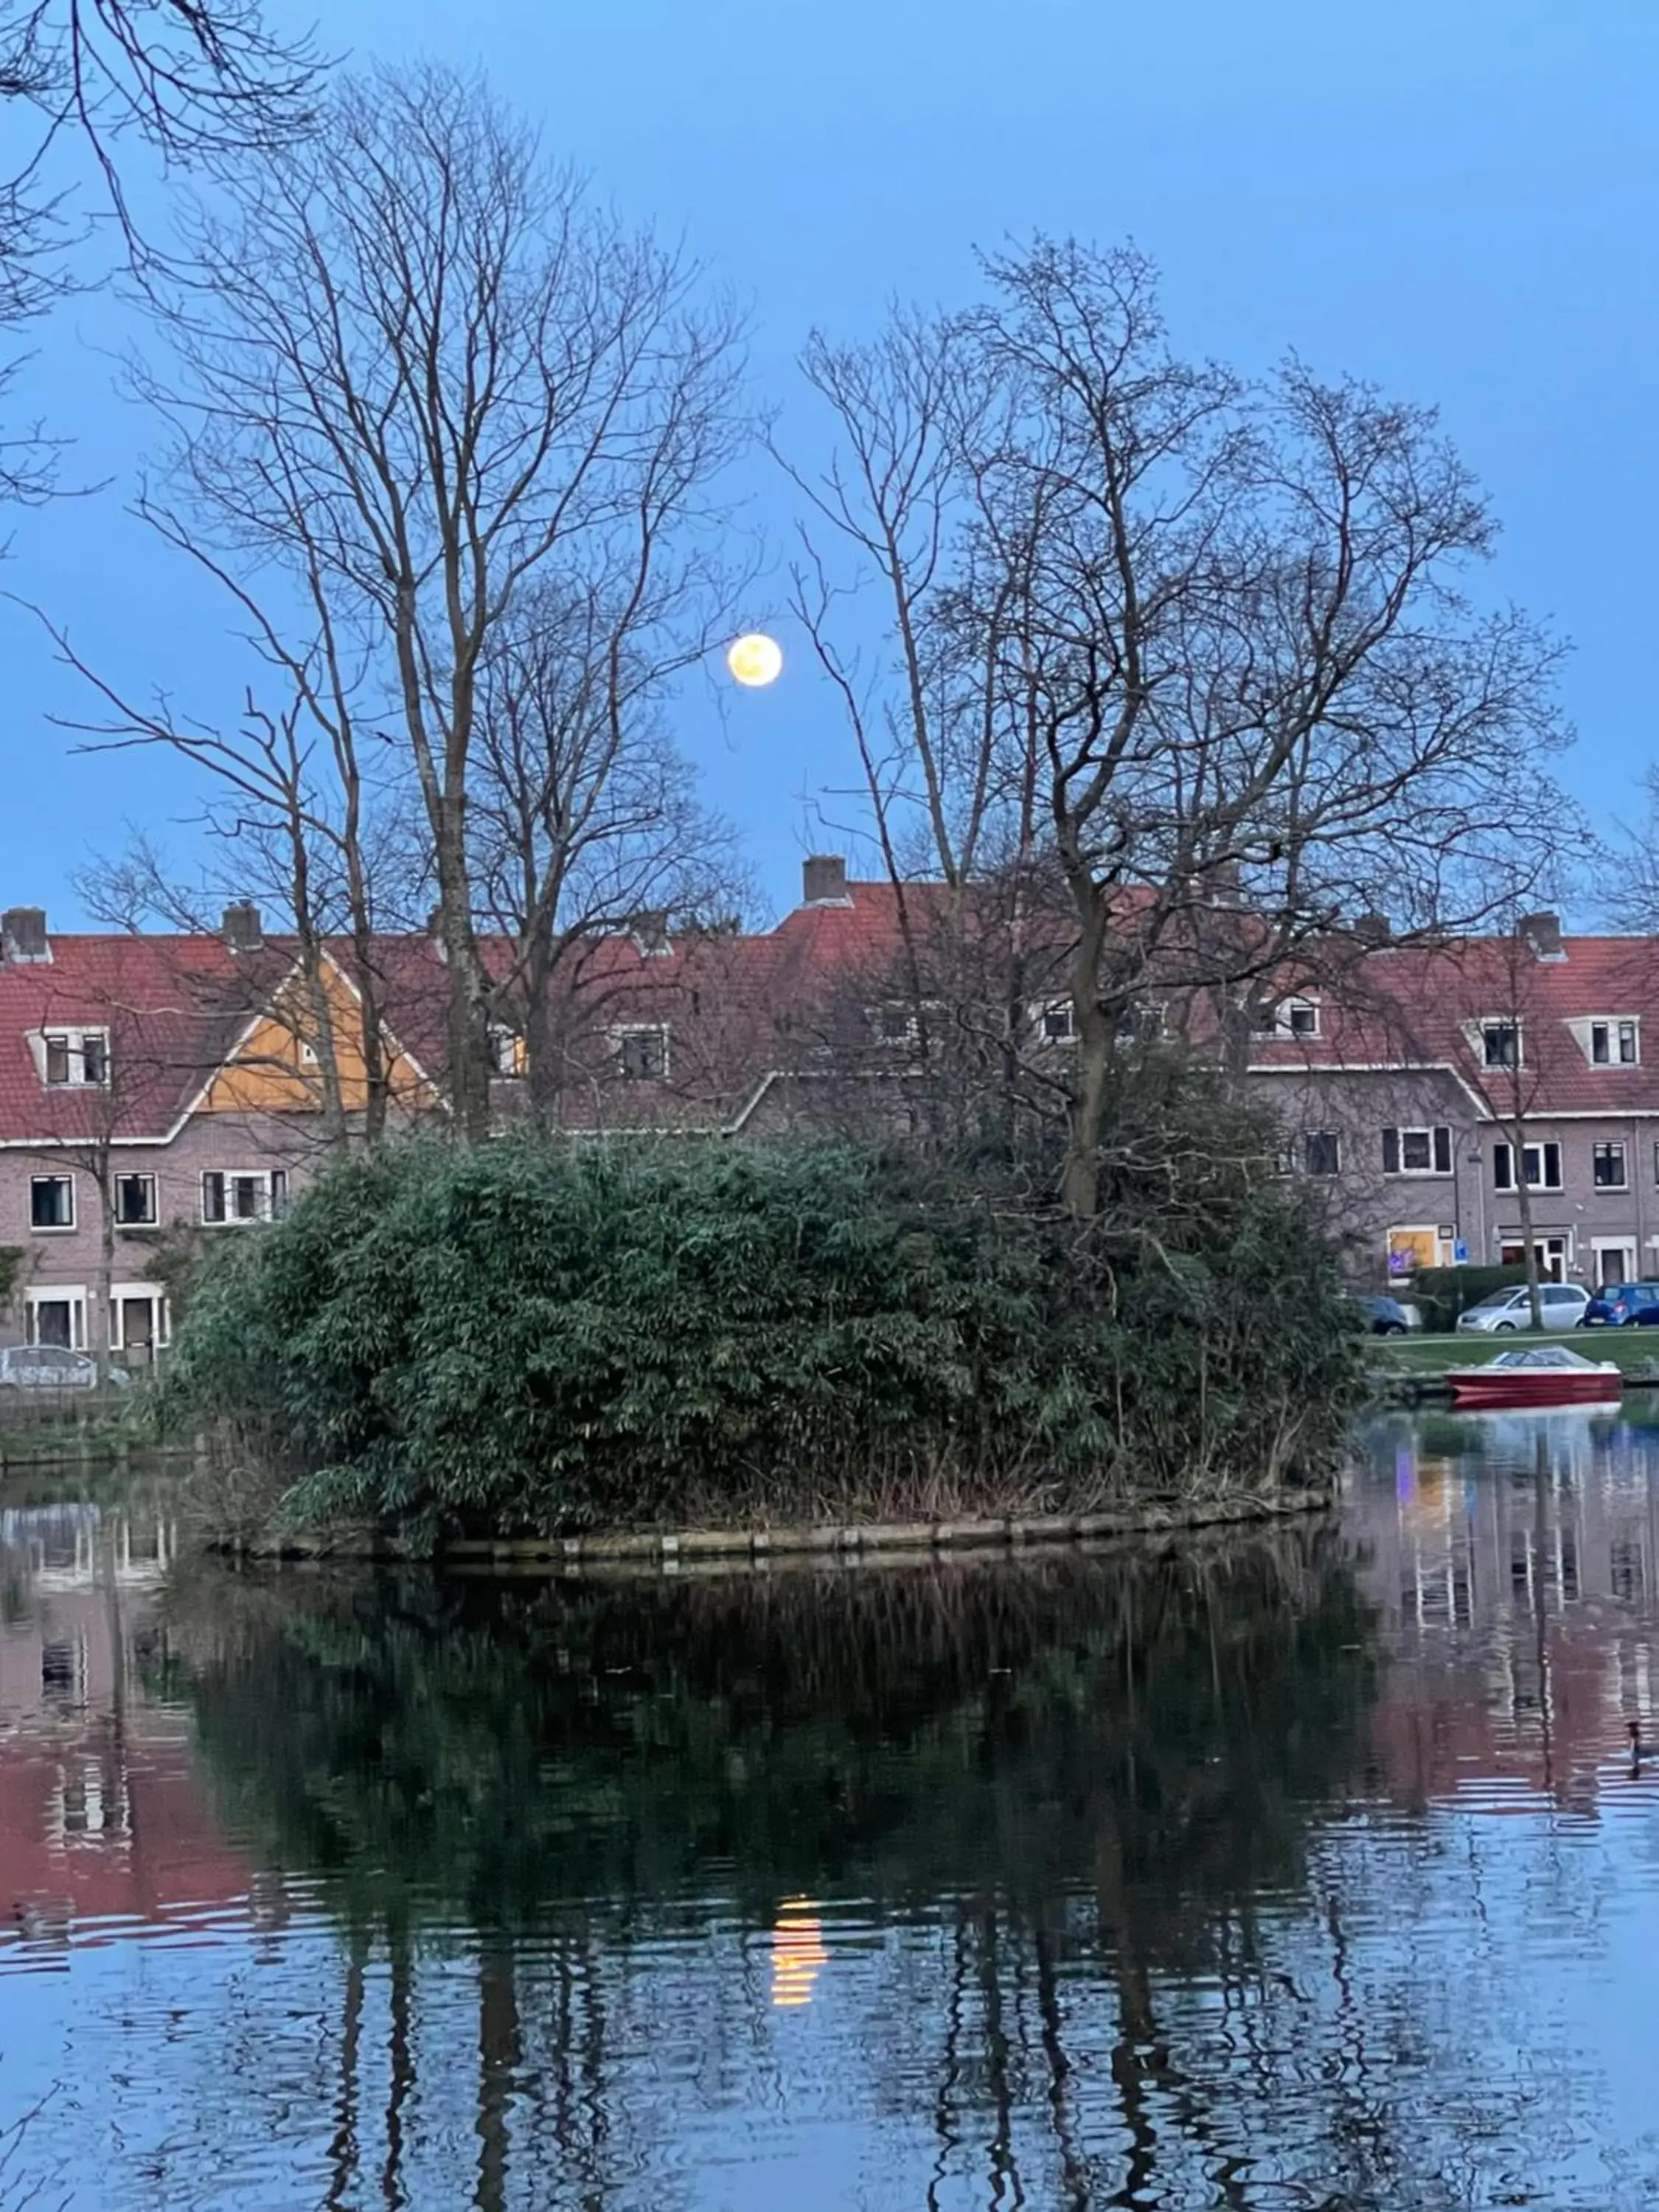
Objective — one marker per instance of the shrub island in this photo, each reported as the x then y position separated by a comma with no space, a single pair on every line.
537,1336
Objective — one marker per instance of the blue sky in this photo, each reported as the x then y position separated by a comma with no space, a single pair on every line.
1457,201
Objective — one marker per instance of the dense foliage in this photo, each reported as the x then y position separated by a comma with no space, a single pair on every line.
531,1335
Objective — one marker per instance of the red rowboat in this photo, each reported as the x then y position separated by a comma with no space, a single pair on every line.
1541,1375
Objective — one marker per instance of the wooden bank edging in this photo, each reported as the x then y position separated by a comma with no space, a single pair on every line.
668,1548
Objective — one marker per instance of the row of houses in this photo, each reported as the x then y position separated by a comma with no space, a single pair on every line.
154,1087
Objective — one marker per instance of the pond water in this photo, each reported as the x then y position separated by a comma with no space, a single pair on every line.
1311,1870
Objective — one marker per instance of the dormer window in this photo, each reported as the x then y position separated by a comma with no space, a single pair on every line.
1291,1018
1500,1044
1057,1023
1142,1023
1615,1043
75,1059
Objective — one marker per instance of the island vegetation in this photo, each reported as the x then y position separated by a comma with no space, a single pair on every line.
549,1335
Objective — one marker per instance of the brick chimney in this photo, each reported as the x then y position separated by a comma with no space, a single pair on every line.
1373,929
1543,933
649,931
23,934
242,929
824,880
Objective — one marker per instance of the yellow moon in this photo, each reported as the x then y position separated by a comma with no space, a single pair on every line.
755,660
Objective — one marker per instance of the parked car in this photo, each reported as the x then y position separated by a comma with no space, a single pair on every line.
1563,1307
1624,1305
1386,1316
51,1367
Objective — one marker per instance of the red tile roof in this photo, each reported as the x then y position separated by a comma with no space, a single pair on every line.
1423,1005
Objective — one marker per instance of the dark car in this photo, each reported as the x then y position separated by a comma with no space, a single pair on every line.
1624,1305
1383,1317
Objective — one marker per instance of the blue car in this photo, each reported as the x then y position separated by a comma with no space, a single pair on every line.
1624,1305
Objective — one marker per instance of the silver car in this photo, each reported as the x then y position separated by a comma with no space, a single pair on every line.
51,1367
1500,1311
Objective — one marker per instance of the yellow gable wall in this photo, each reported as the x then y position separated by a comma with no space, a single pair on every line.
268,1073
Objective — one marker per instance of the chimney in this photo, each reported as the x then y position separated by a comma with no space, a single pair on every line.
23,934
649,931
241,928
1543,933
1373,929
824,880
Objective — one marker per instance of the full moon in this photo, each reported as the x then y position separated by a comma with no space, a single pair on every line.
755,660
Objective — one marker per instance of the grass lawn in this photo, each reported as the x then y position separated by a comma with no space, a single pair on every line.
1632,1349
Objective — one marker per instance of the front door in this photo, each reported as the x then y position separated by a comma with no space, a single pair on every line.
138,1337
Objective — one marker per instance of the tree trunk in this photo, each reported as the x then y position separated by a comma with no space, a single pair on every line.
1530,1242
101,1329
467,1024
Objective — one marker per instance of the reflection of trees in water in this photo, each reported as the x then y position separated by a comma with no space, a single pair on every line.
1091,1770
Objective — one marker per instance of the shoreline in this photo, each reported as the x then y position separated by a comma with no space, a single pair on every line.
669,1550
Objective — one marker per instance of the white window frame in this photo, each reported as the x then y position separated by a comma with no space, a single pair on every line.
74,1039
1610,1144
1143,1022
1538,1144
1613,1028
265,1176
1047,1012
1511,1022
1430,1174
55,1228
1284,1016
1322,1175
74,1295
621,1032
138,1175
1626,1245
157,1299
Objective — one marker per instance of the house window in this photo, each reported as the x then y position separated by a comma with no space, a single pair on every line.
56,1316
1417,1151
1142,1023
1542,1162
235,1195
895,1023
1615,1043
1500,1044
135,1204
1322,1152
139,1322
1291,1018
75,1059
507,1051
52,1201
1608,1167
642,1055
1058,1023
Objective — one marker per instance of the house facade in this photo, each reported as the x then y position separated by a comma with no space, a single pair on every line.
153,1087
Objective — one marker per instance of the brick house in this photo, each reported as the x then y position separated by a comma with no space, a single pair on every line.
154,1086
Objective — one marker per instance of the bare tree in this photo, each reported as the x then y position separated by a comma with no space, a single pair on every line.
412,366
1227,647
586,820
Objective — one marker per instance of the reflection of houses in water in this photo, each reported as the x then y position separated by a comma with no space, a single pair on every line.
1515,1561
100,1814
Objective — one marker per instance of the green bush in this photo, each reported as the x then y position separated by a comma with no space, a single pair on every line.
534,1336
